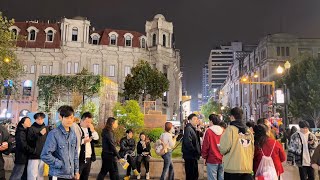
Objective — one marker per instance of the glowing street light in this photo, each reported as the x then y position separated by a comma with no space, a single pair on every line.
287,65
280,69
244,79
6,60
255,75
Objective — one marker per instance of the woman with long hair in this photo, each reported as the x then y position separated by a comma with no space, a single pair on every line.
267,146
109,154
169,139
143,151
22,150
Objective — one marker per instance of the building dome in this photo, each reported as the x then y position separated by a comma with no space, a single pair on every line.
159,16
79,18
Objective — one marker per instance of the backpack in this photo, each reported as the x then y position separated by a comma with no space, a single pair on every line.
160,147
266,167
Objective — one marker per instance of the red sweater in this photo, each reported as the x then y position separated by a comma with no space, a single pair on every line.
278,155
210,151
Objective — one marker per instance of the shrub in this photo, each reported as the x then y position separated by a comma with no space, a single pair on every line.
154,134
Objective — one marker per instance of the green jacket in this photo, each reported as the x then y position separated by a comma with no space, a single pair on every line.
237,150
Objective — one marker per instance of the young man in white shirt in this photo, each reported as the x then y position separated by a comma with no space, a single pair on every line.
89,138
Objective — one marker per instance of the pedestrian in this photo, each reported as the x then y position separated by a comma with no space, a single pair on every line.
109,155
237,148
250,125
87,152
315,160
301,148
267,123
143,154
266,146
169,139
60,150
37,135
210,149
127,149
22,150
223,125
191,149
4,149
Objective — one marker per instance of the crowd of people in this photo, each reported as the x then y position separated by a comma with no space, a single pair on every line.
237,151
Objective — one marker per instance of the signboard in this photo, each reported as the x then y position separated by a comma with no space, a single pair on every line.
279,96
149,105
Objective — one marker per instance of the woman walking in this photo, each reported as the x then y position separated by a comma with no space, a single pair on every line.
22,150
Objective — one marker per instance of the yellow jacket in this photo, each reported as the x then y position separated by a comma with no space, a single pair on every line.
237,150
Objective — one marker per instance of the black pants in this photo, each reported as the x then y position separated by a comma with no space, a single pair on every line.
84,169
132,165
237,176
109,164
146,162
50,178
306,173
191,169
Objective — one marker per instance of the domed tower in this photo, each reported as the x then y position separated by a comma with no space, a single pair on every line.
75,31
159,32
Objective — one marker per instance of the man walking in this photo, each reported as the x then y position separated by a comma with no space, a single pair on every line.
89,138
60,151
191,148
237,148
4,145
36,138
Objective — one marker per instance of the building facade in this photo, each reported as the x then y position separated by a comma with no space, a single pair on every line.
205,84
69,46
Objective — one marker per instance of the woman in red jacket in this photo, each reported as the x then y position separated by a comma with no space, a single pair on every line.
266,144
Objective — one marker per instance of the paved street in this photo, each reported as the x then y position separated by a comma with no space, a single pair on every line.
291,173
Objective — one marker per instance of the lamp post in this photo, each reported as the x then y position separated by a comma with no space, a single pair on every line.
281,70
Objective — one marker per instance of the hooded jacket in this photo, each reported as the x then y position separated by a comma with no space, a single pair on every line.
210,147
237,148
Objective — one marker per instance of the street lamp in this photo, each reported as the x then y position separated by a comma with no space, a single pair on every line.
6,60
281,70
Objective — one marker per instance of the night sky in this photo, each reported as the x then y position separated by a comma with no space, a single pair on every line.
199,25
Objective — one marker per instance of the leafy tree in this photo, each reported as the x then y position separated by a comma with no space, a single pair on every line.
144,81
209,108
129,114
304,87
92,108
11,67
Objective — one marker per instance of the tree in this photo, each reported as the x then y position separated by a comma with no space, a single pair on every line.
11,67
129,114
144,81
304,88
209,108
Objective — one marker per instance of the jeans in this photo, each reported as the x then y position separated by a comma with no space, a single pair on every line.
17,172
35,169
191,169
167,167
215,171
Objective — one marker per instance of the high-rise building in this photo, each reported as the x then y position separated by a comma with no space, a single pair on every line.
205,84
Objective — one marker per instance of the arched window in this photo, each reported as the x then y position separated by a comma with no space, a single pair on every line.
27,87
128,41
74,34
143,43
14,34
154,40
164,40
32,35
50,36
95,40
113,39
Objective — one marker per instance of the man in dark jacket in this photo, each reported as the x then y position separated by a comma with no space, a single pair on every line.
191,150
127,147
89,138
4,145
36,137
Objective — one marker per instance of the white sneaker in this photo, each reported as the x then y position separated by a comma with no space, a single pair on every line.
147,175
139,177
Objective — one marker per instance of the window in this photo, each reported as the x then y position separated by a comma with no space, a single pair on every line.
76,68
50,69
113,39
74,34
154,40
128,41
14,34
165,70
143,43
32,35
127,70
164,40
27,86
263,55
50,36
287,51
278,51
282,51
69,68
25,68
111,70
95,40
44,69
32,69
96,69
